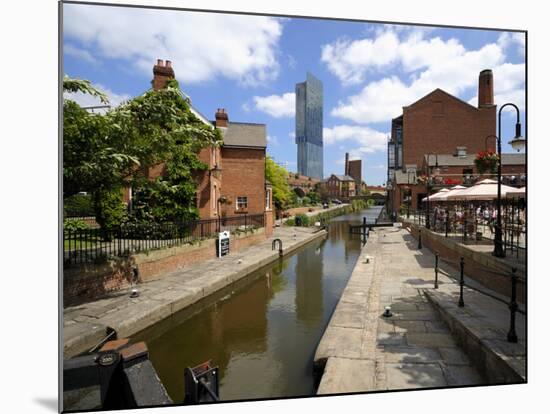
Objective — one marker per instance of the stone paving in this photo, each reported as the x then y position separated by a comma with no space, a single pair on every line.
363,351
85,325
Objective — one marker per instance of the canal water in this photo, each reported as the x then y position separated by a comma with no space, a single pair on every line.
263,331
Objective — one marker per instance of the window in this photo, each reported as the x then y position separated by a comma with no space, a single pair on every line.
242,203
267,199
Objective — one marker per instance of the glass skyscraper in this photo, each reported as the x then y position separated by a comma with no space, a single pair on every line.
309,127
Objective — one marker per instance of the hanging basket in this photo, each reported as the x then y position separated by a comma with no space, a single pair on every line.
486,161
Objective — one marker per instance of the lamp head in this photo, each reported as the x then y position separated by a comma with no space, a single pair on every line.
518,143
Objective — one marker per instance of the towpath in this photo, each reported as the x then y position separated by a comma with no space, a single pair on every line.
362,350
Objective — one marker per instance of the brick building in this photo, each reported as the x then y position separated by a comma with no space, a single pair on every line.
441,124
234,182
341,187
353,169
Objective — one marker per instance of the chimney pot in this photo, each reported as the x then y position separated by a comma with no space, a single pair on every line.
168,63
222,118
159,62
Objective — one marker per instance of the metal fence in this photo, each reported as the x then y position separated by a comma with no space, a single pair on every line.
471,228
96,244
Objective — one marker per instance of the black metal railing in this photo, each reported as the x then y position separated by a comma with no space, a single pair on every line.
474,229
512,302
96,244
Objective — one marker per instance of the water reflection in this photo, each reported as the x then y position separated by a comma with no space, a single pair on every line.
262,333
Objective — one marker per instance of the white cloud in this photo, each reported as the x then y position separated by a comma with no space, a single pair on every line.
368,139
507,39
430,64
272,140
348,60
201,46
86,100
78,53
278,106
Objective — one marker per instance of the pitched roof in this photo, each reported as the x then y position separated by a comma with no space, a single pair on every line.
439,90
343,177
241,134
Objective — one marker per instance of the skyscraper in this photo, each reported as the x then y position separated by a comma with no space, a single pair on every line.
309,127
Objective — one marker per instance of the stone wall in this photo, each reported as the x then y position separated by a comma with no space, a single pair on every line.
89,281
481,267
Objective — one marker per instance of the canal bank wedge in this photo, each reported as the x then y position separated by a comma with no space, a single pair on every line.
85,325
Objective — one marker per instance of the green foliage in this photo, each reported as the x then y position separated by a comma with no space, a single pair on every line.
358,205
290,222
84,86
105,152
306,201
109,208
277,176
314,197
302,220
78,205
74,225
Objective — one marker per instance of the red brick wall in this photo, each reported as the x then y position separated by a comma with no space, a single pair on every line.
355,172
243,175
439,123
92,281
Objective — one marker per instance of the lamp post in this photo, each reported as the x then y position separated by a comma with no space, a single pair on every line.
517,143
428,226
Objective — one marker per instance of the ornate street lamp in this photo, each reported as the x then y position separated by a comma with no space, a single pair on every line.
517,143
428,187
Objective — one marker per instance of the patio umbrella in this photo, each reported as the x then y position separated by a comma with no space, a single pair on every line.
437,196
483,190
516,192
452,190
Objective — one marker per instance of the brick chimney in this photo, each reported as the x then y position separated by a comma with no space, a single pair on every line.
222,119
485,97
162,73
346,165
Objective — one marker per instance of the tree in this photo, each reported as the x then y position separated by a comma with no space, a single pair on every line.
104,152
277,176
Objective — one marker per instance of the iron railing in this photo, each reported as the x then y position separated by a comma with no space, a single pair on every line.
512,302
474,229
97,244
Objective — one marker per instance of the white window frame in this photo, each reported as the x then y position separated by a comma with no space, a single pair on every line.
240,203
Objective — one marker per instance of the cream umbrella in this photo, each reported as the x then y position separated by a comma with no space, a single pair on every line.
437,196
452,190
483,190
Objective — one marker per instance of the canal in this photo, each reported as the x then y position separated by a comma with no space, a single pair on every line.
263,331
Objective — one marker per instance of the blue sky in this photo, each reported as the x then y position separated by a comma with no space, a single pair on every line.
249,65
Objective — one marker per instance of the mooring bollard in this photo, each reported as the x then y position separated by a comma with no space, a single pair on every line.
436,285
512,336
461,298
419,239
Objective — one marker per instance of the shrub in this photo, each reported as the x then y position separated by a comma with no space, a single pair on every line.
302,220
74,225
290,222
110,211
78,205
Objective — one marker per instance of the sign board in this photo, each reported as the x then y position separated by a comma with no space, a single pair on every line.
223,243
398,224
